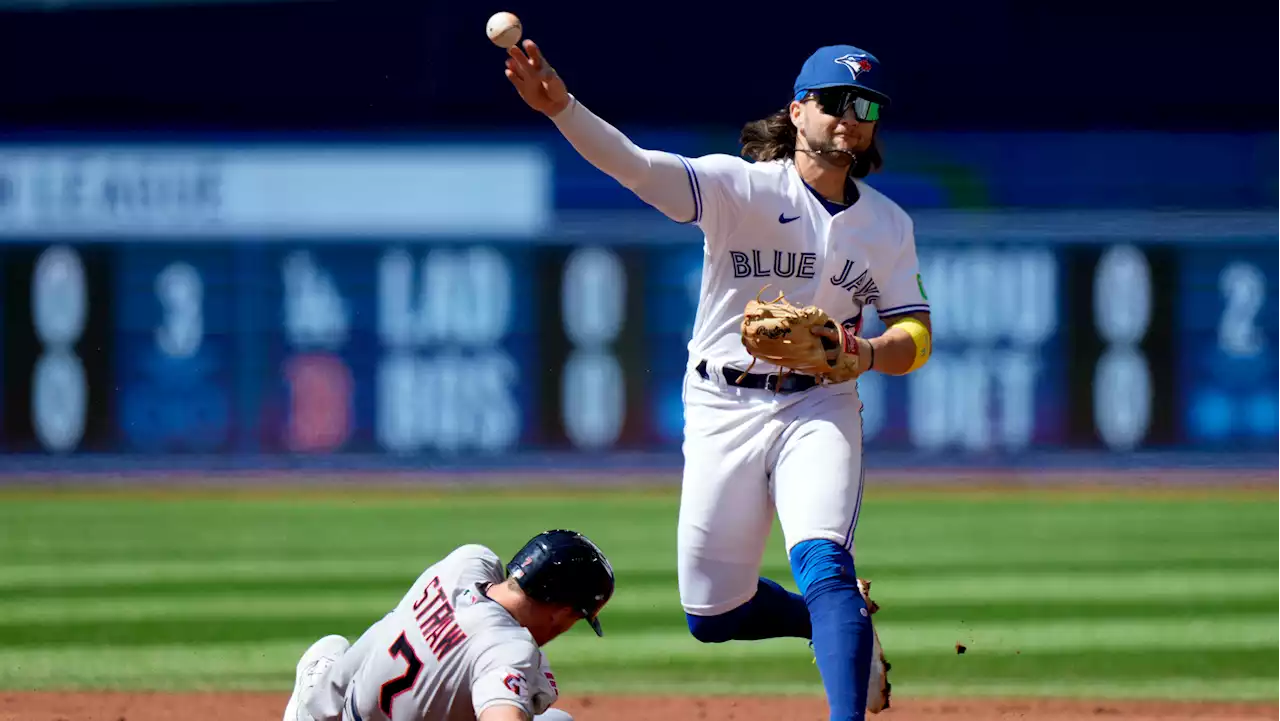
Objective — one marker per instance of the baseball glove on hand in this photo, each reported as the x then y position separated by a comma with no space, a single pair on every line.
805,340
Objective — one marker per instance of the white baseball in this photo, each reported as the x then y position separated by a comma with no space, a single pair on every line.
503,29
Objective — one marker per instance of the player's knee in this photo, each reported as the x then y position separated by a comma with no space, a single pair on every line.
820,565
553,714
714,629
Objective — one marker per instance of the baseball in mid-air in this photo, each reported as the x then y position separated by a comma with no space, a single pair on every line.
503,29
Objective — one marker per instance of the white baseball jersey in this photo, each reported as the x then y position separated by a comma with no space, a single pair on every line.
764,225
750,451
445,653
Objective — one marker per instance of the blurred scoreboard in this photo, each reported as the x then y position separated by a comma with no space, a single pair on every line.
468,350
1226,302
334,347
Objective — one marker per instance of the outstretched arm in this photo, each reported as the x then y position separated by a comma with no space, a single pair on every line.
663,180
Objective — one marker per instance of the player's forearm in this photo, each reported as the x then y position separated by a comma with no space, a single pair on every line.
504,713
657,178
897,351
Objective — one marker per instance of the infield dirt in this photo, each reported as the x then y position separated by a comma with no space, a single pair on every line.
241,706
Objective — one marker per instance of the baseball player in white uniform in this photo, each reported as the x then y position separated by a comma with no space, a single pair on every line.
793,213
465,643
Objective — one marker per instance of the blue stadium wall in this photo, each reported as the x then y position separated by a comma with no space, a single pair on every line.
484,301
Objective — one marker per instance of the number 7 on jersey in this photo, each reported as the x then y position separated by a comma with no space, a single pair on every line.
403,682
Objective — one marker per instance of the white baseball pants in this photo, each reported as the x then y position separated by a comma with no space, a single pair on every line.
748,452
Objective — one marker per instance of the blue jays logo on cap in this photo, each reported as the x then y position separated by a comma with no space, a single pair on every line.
857,64
841,65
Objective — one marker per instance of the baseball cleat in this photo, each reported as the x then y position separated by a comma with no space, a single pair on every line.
315,661
878,684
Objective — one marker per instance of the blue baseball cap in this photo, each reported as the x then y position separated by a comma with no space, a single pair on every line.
841,65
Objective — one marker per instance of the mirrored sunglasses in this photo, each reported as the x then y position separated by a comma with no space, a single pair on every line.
837,101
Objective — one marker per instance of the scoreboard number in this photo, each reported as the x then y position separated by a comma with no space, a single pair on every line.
1244,290
180,291
59,308
593,394
1122,299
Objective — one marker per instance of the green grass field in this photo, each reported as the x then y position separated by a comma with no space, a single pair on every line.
1121,595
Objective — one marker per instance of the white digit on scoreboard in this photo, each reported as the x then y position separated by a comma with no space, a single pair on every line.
1122,315
180,291
59,310
1244,291
592,392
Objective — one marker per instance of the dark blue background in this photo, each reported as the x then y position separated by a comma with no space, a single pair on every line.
168,404
987,65
1231,398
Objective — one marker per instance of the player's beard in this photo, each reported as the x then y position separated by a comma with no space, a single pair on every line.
827,151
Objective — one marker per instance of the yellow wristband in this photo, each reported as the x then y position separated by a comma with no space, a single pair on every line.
920,335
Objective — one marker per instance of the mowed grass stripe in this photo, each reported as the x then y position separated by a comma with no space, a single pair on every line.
1053,535
390,586
1191,687
1007,580
657,610
124,572
1199,585
377,545
1255,631
639,588
161,666
953,527
1074,611
297,537
899,582
264,565
1188,688
763,672
356,603
768,667
246,628
1127,586
79,571
1055,540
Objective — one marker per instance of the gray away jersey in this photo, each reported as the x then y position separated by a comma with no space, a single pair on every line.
445,653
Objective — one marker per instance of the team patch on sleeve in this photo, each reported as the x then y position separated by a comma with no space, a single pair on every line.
502,685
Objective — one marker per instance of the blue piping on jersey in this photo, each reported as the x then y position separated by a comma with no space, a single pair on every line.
903,309
862,480
694,188
354,713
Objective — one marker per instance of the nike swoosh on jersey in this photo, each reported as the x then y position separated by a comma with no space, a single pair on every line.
782,218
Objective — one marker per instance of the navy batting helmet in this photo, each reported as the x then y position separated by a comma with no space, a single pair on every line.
565,568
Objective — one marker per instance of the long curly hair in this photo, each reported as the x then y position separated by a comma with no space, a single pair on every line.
774,138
